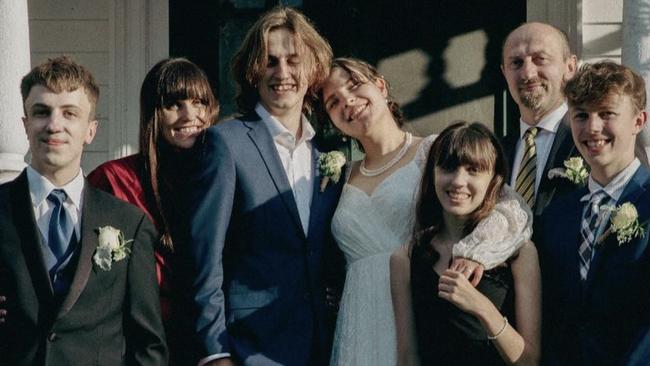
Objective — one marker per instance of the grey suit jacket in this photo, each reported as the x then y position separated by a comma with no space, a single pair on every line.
107,317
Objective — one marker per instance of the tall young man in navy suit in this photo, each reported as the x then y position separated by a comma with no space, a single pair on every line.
71,298
596,293
259,227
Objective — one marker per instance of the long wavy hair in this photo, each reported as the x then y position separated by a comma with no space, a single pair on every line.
249,63
461,143
169,81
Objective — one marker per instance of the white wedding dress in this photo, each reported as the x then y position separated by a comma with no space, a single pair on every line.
368,229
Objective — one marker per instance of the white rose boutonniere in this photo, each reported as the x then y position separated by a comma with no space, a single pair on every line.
112,247
330,166
624,223
574,170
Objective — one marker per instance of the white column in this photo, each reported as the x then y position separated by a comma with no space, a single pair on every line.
636,53
14,63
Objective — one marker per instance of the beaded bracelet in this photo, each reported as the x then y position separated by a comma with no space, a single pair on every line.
505,324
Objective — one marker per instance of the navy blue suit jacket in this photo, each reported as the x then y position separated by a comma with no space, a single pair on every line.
606,320
258,280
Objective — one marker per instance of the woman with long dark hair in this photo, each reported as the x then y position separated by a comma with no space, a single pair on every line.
176,105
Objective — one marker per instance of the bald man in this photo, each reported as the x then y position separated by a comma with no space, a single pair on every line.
537,62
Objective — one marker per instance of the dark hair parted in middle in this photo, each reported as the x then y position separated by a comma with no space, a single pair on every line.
169,81
461,143
250,61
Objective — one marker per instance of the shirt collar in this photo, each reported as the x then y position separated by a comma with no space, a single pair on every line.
40,187
281,134
550,122
615,188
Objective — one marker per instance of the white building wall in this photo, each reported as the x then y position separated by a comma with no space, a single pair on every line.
602,31
118,41
80,29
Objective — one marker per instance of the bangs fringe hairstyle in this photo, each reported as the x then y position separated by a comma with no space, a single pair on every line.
593,83
461,143
250,61
61,74
169,81
362,72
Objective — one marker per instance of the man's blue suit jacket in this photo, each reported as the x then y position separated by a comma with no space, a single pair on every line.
258,280
606,320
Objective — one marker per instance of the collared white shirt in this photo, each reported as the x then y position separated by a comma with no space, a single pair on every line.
39,188
543,142
614,190
296,157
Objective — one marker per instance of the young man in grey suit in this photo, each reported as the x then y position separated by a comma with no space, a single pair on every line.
259,228
76,264
537,62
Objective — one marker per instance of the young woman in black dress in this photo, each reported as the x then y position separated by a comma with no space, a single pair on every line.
441,318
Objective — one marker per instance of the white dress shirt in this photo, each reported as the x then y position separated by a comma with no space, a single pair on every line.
296,157
543,142
39,188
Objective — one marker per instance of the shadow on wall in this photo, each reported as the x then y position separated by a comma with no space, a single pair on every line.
460,39
441,56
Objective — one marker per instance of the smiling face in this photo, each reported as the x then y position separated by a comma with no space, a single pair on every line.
461,190
536,65
283,84
353,104
183,121
605,133
58,125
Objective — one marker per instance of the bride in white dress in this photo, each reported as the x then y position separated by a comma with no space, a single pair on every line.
374,215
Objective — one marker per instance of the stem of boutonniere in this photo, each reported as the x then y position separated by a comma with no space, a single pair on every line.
323,183
603,236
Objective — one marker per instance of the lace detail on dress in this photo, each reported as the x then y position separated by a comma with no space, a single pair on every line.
498,236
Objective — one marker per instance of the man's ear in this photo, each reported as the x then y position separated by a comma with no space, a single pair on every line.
92,131
571,67
640,120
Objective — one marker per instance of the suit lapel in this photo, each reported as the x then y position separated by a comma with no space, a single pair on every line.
30,238
318,197
510,148
633,192
89,223
572,238
261,138
561,149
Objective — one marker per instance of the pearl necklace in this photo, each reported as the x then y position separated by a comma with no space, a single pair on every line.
400,154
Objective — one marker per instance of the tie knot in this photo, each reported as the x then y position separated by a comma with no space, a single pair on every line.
596,200
57,196
531,133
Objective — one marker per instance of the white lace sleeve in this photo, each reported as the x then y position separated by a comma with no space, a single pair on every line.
499,235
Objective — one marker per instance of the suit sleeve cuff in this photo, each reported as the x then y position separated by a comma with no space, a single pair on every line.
217,356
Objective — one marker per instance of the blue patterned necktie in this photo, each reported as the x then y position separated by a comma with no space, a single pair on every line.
591,221
60,230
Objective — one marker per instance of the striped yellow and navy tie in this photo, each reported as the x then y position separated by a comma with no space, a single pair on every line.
525,183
